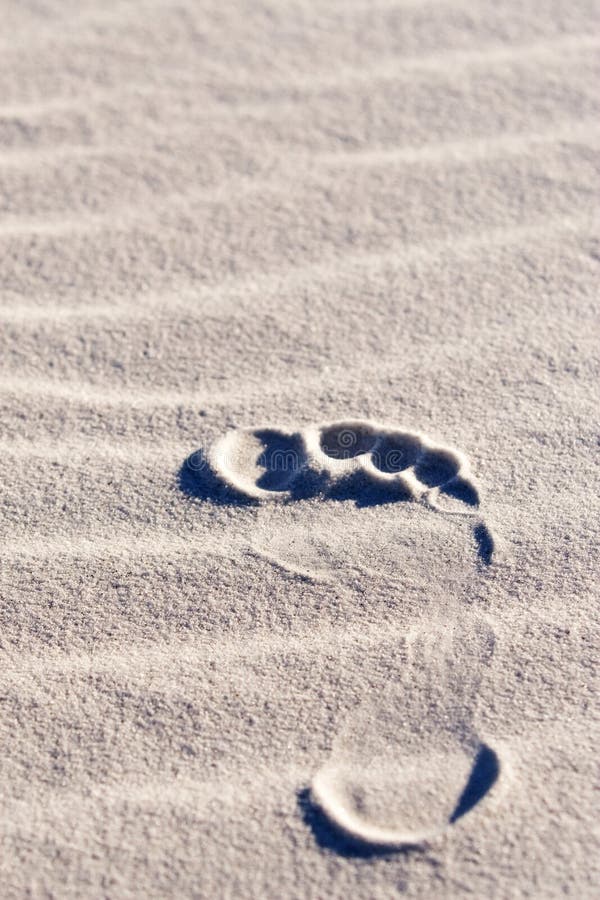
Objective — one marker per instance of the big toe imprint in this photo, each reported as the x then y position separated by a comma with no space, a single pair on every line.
356,459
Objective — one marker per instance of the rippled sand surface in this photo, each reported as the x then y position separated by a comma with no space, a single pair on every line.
299,367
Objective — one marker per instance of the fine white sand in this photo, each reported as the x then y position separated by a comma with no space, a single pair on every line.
299,342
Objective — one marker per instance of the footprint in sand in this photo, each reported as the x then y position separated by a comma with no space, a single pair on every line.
360,460
272,464
404,769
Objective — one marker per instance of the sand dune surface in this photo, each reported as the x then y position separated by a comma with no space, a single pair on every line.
299,386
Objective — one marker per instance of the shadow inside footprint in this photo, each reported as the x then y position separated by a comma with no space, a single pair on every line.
346,440
396,452
485,543
483,776
197,479
436,468
461,490
282,460
363,491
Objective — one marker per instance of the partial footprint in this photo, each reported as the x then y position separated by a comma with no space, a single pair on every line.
271,463
410,764
354,459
